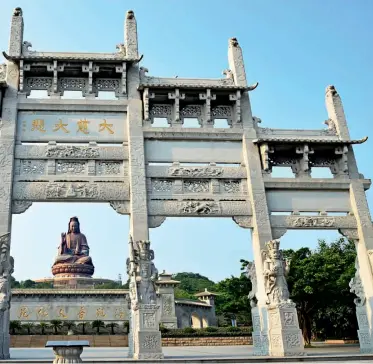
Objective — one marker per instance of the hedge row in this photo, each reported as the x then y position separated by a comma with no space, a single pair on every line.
206,332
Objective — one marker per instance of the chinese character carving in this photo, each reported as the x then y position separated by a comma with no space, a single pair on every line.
61,126
106,126
38,125
100,312
24,313
82,312
42,313
83,126
62,314
119,314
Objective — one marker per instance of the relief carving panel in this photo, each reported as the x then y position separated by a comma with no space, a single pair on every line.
195,171
40,191
198,208
71,152
32,167
196,186
232,186
69,167
161,185
108,168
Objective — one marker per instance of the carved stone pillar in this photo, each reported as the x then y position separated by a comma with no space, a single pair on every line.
336,113
269,338
364,250
261,233
130,35
144,336
166,296
16,33
7,144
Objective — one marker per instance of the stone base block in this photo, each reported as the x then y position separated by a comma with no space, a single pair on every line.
287,342
260,344
365,340
147,345
285,337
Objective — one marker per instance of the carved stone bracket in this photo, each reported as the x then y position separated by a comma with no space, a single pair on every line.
121,207
278,233
350,234
243,221
20,206
156,221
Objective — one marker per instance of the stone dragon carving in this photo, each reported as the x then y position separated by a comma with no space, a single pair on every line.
251,274
356,286
6,270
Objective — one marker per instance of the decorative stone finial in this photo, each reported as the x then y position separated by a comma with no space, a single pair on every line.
331,89
233,42
17,12
130,14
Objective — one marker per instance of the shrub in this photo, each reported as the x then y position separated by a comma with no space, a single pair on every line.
207,332
163,329
233,329
189,330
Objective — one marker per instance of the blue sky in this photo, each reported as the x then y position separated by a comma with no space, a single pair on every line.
294,49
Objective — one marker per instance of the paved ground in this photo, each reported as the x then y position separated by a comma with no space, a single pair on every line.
196,354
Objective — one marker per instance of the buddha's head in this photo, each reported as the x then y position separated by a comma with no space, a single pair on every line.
74,226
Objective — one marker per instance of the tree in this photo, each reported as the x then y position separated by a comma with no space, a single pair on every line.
98,324
193,282
28,283
28,326
112,326
14,326
42,326
318,284
69,325
84,326
232,301
57,325
111,285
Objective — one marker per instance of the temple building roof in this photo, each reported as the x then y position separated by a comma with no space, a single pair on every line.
310,140
206,293
71,56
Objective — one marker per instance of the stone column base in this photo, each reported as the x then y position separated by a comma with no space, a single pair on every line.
260,334
365,336
67,354
149,345
285,337
260,344
147,340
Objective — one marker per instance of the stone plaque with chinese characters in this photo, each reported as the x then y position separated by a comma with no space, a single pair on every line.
71,127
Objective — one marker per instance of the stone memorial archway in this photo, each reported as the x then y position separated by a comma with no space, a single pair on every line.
108,151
